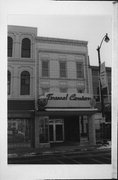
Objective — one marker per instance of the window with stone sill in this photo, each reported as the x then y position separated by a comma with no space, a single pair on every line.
45,68
26,48
25,83
63,69
10,46
79,70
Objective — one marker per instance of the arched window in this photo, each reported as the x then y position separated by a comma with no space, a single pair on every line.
9,82
26,48
10,46
25,83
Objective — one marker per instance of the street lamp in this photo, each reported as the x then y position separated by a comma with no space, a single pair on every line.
106,39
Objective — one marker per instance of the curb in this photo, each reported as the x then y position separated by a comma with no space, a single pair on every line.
56,152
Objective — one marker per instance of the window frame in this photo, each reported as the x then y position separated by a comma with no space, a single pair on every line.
43,70
79,71
10,46
63,70
24,87
26,51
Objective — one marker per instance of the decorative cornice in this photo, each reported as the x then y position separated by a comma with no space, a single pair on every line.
61,41
62,51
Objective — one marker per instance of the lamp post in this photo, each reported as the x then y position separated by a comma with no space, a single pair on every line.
106,39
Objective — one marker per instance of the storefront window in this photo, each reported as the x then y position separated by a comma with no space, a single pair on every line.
19,131
44,130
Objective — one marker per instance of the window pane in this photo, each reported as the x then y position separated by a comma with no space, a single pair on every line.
26,48
10,46
62,69
25,83
45,68
80,70
9,82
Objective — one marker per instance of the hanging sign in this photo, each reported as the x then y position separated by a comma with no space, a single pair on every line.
103,77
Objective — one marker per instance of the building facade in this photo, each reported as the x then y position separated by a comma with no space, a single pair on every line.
50,96
106,100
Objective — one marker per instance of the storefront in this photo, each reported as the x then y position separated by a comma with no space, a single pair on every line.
20,124
64,117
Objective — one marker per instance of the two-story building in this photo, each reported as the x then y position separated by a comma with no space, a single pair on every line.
50,96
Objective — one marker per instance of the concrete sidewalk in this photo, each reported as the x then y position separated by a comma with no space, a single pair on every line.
28,152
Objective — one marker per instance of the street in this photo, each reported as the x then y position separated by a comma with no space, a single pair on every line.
84,157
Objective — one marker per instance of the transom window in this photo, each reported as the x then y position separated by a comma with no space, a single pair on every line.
79,70
26,48
10,46
63,70
45,68
25,83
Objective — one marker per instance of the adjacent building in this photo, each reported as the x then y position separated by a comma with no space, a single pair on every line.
50,93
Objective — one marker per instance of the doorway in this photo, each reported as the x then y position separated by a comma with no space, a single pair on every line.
56,130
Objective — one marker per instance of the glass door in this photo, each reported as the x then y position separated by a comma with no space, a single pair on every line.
56,130
59,132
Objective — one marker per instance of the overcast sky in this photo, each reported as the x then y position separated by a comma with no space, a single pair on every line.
88,21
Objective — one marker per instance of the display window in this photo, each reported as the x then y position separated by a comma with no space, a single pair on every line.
19,131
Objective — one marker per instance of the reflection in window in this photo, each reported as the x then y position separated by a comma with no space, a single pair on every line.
26,48
10,46
25,83
9,82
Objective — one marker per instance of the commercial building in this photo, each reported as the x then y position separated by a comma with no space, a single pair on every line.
106,100
50,97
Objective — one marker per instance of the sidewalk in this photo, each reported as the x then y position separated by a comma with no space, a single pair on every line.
28,152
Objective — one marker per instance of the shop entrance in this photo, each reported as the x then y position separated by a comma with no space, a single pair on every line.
56,130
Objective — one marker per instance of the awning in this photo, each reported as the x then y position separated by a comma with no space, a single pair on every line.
67,111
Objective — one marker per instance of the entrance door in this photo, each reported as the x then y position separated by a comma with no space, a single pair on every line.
56,130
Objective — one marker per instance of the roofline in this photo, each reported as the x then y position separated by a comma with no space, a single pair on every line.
62,40
10,26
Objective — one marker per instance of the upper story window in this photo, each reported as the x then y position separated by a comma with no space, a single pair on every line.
10,46
9,82
63,70
45,68
26,48
25,83
79,70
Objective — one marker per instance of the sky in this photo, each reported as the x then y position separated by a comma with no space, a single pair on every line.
88,21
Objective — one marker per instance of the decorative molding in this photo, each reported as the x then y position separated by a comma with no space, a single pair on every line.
61,41
62,51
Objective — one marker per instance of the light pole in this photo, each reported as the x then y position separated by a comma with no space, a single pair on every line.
106,39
